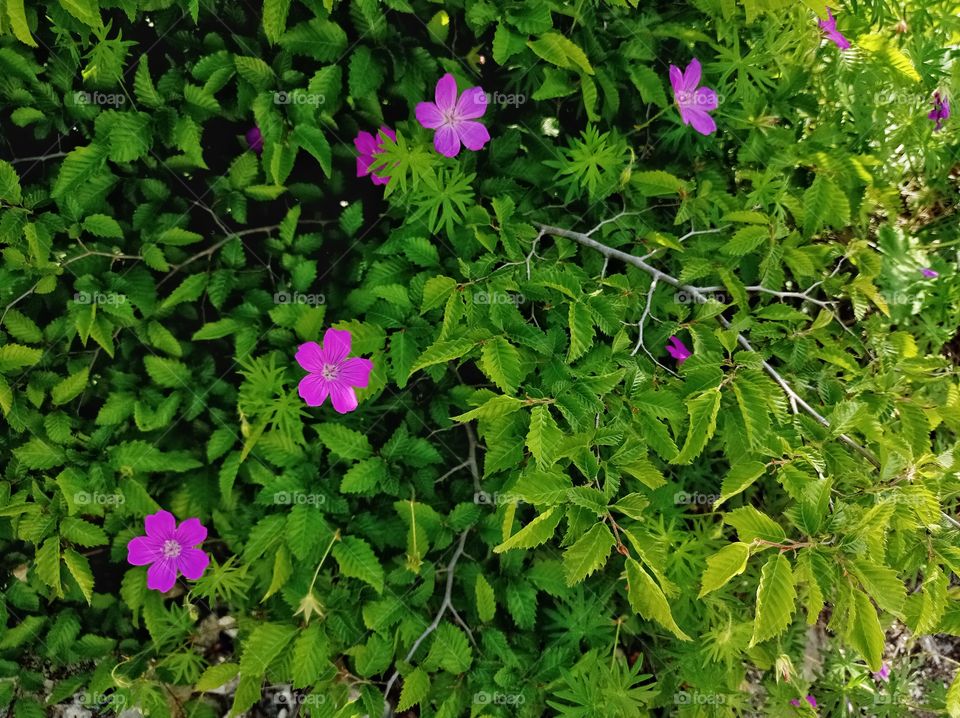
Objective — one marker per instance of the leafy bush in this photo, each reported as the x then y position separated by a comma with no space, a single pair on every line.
536,508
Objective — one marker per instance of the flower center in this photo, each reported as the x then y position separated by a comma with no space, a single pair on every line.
171,548
330,372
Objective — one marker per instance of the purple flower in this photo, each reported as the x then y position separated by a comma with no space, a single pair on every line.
940,111
367,147
929,273
810,699
677,350
255,139
694,102
883,674
453,118
829,26
169,549
331,372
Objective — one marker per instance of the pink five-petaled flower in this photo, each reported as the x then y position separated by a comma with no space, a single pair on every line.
677,350
929,273
255,139
169,549
367,147
829,27
694,102
453,118
883,674
940,111
810,699
331,372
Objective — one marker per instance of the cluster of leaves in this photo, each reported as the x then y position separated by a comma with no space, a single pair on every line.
496,530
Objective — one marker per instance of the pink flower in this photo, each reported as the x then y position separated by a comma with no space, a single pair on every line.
929,273
255,139
694,102
453,118
331,372
883,674
940,111
810,699
829,26
677,350
368,147
169,549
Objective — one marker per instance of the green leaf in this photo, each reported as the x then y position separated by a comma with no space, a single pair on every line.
745,240
726,563
365,74
364,476
71,387
357,560
449,650
534,533
491,409
216,676
188,290
543,437
581,330
79,568
86,11
40,455
21,327
416,687
500,361
486,601
559,51
168,373
953,697
752,524
741,477
313,141
882,583
703,423
264,645
17,356
442,352
143,86
48,564
345,443
588,554
776,599
864,631
647,599
100,225
9,184
824,203
18,22
83,532
275,19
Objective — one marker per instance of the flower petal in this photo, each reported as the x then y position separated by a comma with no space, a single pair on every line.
363,165
705,99
472,104
192,562
313,389
343,397
160,526
162,575
428,115
143,550
701,121
676,79
355,372
365,143
447,141
691,78
336,345
310,356
445,94
379,180
473,134
190,532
